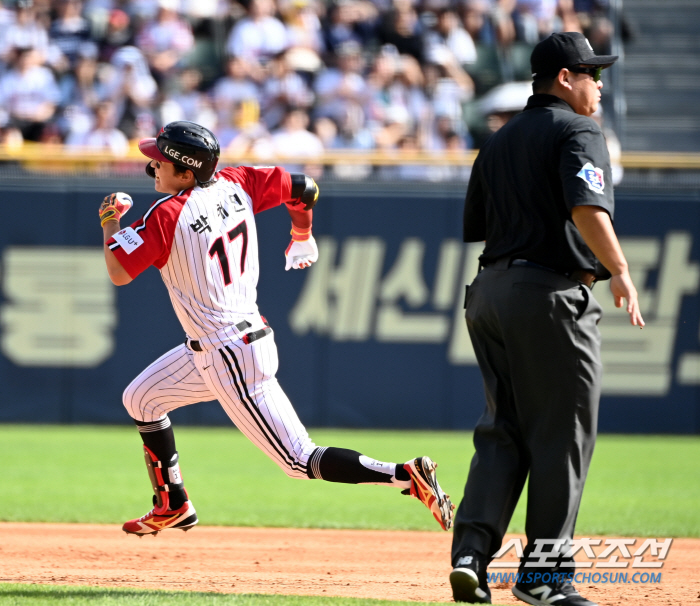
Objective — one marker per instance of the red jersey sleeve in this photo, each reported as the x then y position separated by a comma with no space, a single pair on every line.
267,187
148,240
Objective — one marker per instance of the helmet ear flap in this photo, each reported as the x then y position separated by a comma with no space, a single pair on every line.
150,171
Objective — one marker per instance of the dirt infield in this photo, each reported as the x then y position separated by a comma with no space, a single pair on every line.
378,564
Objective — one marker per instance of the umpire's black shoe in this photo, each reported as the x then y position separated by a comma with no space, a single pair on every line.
550,594
468,579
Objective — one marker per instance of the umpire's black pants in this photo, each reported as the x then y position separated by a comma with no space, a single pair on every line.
537,343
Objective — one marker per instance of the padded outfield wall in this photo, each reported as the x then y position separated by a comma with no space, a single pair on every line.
373,335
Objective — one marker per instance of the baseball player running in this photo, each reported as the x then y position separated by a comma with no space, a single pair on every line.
201,236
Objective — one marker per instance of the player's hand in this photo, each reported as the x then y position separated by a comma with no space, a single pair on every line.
623,289
301,254
114,207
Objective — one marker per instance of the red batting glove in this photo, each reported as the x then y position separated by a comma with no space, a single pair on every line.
114,207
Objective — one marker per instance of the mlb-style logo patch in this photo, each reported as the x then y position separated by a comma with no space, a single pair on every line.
593,176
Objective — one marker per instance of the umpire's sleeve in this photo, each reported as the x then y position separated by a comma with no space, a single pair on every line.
584,168
474,226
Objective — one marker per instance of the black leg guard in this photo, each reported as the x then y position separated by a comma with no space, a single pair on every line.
158,437
344,466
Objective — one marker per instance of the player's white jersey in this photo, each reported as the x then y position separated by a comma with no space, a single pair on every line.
204,241
212,271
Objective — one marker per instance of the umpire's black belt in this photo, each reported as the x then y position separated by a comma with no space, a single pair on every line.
247,338
579,275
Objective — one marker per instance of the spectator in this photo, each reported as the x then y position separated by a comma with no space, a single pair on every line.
140,12
475,18
439,136
413,96
143,128
349,134
342,86
532,18
81,91
130,85
448,87
536,19
29,93
26,32
117,34
449,34
453,143
595,23
568,20
97,12
283,88
166,40
186,102
414,171
70,30
237,85
104,136
305,36
293,140
239,137
407,170
397,99
327,131
259,36
7,20
349,20
402,29
353,132
599,31
503,24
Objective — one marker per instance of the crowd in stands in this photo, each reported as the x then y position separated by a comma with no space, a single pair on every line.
288,77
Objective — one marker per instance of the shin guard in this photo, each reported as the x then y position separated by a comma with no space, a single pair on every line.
165,477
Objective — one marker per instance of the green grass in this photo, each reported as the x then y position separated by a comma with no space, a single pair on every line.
38,595
638,485
643,486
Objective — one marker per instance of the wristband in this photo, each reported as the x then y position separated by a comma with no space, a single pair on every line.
300,234
108,216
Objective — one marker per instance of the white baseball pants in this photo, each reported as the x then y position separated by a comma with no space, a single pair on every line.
242,378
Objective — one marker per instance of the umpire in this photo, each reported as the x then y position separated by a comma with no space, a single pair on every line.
541,197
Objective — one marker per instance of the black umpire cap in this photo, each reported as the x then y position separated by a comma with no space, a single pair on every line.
565,49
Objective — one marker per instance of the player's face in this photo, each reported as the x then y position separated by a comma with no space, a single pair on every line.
167,180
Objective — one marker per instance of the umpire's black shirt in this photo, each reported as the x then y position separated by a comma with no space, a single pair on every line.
527,178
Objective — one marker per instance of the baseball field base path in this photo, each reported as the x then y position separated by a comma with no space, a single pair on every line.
393,565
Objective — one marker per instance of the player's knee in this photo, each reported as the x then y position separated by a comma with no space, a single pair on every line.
295,464
129,401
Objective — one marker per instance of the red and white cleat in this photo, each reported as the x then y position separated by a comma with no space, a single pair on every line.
425,488
162,518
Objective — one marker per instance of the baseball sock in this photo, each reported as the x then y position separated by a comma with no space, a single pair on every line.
160,438
351,467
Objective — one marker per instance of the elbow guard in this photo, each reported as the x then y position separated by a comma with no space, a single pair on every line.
304,189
